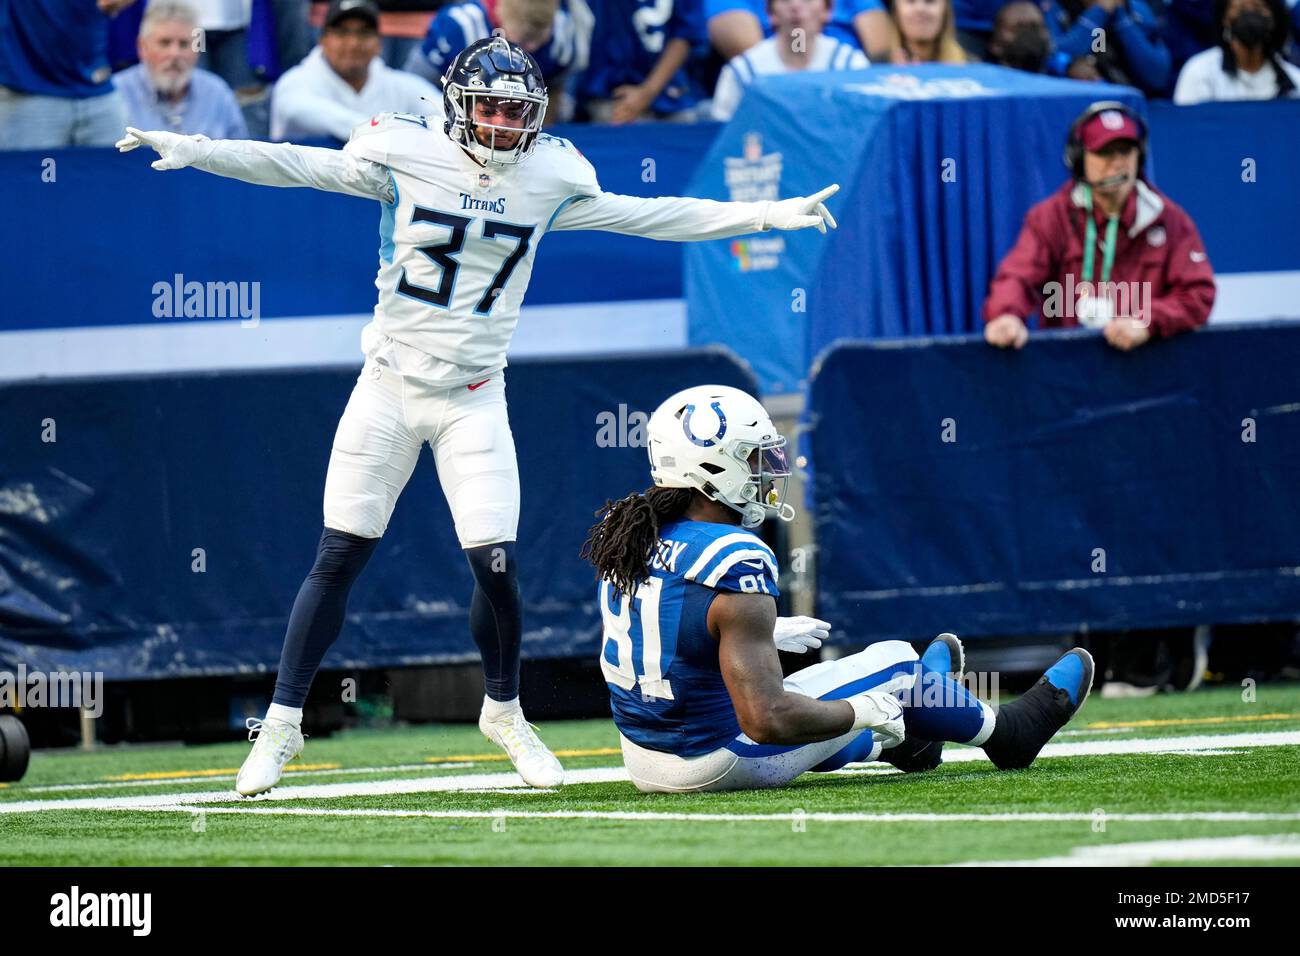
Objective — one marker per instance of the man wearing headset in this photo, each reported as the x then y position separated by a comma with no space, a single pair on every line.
1107,250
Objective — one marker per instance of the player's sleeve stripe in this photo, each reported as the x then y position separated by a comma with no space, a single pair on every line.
726,564
718,545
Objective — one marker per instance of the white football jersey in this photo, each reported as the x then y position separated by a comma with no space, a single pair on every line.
457,244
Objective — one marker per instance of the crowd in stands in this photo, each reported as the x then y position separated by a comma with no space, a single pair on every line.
75,72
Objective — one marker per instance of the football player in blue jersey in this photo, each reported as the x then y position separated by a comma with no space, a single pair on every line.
688,599
545,28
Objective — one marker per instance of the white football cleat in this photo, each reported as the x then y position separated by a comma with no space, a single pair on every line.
516,736
275,743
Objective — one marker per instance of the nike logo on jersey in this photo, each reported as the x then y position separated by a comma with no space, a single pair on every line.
754,564
478,384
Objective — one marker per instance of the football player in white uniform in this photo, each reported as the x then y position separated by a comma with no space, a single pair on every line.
465,202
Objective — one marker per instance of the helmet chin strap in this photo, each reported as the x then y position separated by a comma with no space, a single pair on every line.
752,515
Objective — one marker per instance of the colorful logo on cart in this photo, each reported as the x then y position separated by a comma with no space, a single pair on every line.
757,254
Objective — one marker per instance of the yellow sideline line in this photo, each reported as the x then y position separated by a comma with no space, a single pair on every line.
218,772
1175,721
461,758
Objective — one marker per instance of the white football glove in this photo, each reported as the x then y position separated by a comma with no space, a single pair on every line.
177,151
882,714
802,212
799,635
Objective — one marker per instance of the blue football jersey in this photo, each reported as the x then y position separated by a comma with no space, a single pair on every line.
627,41
457,25
658,657
54,48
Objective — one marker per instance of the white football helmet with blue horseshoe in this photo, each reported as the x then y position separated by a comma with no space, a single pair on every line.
721,441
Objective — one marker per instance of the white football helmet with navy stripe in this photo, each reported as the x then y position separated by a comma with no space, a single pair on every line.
721,441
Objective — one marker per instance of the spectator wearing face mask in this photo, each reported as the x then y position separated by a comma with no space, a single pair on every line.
1247,64
1020,39
1131,52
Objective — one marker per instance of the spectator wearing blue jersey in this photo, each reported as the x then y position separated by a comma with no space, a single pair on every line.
797,45
1189,27
542,27
737,25
1117,41
165,91
55,82
639,53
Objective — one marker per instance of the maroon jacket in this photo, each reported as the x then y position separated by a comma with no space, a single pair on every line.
1157,244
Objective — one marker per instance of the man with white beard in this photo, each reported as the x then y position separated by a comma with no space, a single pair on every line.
165,90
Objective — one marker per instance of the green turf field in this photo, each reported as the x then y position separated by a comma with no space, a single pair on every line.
1194,778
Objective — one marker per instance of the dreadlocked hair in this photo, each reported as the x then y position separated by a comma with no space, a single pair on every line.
622,541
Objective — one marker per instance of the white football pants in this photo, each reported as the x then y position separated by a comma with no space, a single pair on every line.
386,423
745,765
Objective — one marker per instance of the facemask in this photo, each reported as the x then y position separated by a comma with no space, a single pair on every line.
1026,50
1251,29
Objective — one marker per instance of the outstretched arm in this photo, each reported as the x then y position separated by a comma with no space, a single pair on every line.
681,219
765,710
267,164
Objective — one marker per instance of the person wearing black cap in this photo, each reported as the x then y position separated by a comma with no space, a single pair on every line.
1107,250
344,81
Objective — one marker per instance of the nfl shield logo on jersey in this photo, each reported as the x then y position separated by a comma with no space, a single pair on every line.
484,180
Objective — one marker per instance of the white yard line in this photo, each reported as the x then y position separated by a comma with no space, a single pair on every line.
1279,847
1143,745
795,815
494,781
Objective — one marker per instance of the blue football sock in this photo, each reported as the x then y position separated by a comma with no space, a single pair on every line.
858,750
939,708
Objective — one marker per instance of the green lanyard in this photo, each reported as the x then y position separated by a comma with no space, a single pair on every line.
1090,241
